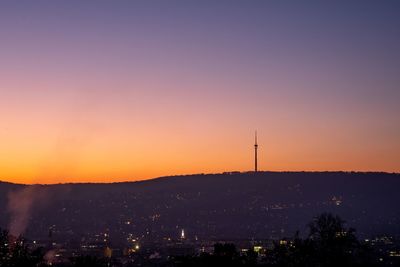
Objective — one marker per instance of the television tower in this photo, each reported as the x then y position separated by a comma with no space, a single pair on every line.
255,153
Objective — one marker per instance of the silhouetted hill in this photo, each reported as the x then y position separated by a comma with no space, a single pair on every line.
229,205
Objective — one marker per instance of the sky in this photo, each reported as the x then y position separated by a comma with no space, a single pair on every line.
107,91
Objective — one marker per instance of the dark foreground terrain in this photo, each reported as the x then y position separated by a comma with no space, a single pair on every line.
230,219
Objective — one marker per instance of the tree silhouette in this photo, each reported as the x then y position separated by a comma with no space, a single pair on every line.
329,243
15,252
334,244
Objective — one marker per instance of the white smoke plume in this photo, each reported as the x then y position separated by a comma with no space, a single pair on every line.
20,205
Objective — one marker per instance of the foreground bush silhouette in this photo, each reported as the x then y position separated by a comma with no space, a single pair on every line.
14,252
328,244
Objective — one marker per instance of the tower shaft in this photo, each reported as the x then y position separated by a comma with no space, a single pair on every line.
255,153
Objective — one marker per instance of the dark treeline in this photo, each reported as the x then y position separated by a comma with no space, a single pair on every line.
327,243
14,252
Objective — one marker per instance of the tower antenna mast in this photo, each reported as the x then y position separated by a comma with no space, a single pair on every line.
255,153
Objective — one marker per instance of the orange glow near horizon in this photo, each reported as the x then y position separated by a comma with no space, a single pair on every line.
114,155
94,139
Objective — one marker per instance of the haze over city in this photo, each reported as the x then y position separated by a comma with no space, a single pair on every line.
131,90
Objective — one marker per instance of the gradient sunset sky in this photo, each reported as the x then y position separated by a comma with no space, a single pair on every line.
126,90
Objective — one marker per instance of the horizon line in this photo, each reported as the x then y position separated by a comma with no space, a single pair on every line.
198,174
